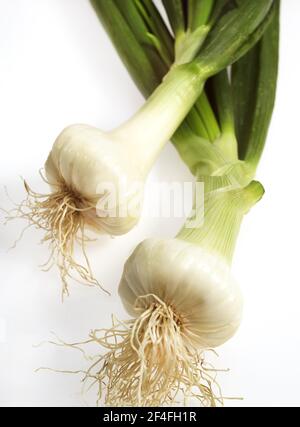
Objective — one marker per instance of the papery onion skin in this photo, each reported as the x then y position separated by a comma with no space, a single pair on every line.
92,164
197,285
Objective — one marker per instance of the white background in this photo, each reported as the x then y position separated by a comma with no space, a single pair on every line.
58,67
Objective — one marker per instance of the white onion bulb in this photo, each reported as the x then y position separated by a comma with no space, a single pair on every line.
198,285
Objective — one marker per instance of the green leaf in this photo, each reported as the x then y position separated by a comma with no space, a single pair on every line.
208,117
140,24
146,75
220,92
199,12
160,48
175,12
221,7
230,33
254,80
254,38
196,123
130,11
244,82
157,26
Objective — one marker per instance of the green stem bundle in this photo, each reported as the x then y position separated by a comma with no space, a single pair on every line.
138,40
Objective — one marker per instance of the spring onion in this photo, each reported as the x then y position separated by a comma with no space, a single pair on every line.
83,158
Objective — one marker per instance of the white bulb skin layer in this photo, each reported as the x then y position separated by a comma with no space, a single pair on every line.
90,163
195,283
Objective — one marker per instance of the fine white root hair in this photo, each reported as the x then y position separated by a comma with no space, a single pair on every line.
150,361
60,215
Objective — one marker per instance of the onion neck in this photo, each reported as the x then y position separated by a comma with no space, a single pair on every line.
153,125
219,219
